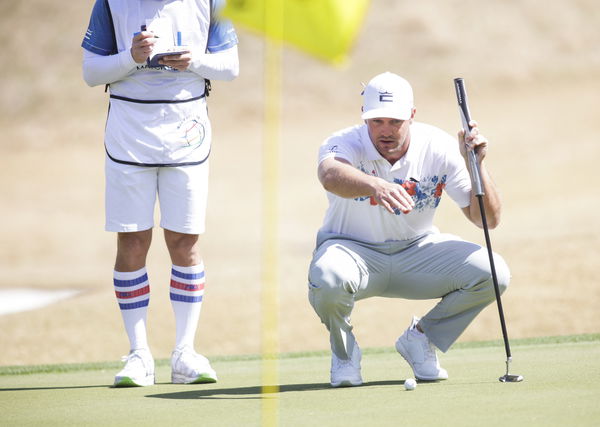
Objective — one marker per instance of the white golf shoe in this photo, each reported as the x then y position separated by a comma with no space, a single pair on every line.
189,367
346,372
138,370
419,352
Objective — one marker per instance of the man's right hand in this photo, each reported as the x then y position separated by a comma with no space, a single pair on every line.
339,177
393,197
141,46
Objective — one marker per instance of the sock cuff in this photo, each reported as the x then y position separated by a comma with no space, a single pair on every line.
129,275
194,273
192,269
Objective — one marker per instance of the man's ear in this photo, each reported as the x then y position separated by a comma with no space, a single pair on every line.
412,114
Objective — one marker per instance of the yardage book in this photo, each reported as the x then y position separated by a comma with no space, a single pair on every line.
164,42
176,50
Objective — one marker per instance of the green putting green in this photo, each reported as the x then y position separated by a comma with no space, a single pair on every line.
561,387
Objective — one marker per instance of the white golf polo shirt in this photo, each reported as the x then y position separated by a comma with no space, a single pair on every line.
432,164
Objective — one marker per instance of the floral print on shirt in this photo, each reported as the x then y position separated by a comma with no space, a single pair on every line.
426,193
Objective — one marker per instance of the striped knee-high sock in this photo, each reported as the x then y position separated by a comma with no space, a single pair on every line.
187,289
133,295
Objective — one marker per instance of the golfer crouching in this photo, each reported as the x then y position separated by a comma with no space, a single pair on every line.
384,180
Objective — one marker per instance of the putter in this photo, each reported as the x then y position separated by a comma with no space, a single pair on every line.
461,96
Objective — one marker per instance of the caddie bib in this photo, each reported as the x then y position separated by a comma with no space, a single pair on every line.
157,115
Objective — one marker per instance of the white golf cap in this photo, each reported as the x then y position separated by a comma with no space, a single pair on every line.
387,95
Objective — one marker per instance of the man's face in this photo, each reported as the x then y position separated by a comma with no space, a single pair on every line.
391,137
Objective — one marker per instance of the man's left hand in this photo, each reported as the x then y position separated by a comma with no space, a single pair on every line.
473,141
179,62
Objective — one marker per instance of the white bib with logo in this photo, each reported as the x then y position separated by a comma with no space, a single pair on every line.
157,115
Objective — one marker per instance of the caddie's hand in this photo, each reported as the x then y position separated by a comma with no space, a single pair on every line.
393,197
179,62
141,46
473,141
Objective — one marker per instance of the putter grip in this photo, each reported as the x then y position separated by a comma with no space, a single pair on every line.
461,97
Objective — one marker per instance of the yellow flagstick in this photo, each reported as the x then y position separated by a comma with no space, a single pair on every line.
325,29
273,13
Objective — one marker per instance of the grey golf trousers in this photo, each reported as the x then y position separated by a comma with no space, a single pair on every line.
431,266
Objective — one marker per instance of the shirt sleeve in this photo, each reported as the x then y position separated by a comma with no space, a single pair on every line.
106,69
222,65
221,34
340,145
100,35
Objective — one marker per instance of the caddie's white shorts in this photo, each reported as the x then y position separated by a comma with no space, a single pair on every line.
131,192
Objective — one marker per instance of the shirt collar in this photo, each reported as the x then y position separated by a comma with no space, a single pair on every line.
370,150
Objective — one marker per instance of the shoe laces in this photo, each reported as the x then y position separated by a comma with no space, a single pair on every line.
429,350
426,345
133,360
188,354
190,360
131,357
343,363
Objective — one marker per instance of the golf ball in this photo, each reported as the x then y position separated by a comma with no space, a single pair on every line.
410,384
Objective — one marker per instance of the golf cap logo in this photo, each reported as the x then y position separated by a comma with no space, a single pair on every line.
386,97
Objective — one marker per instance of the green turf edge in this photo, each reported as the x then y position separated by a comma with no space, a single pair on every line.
71,367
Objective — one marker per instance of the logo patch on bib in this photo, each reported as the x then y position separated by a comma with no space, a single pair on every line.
192,132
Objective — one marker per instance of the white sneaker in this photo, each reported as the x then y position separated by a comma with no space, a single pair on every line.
189,367
420,354
138,370
346,373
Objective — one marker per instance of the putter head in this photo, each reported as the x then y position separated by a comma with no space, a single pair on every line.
508,378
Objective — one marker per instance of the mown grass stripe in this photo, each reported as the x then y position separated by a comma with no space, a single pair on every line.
72,367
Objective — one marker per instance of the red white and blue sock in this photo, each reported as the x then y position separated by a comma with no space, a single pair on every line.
186,292
133,295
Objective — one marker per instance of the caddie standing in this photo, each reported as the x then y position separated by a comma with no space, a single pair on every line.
157,57
384,181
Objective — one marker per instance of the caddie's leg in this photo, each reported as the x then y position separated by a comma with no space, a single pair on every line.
131,284
182,193
129,201
130,197
132,250
187,285
186,294
335,275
